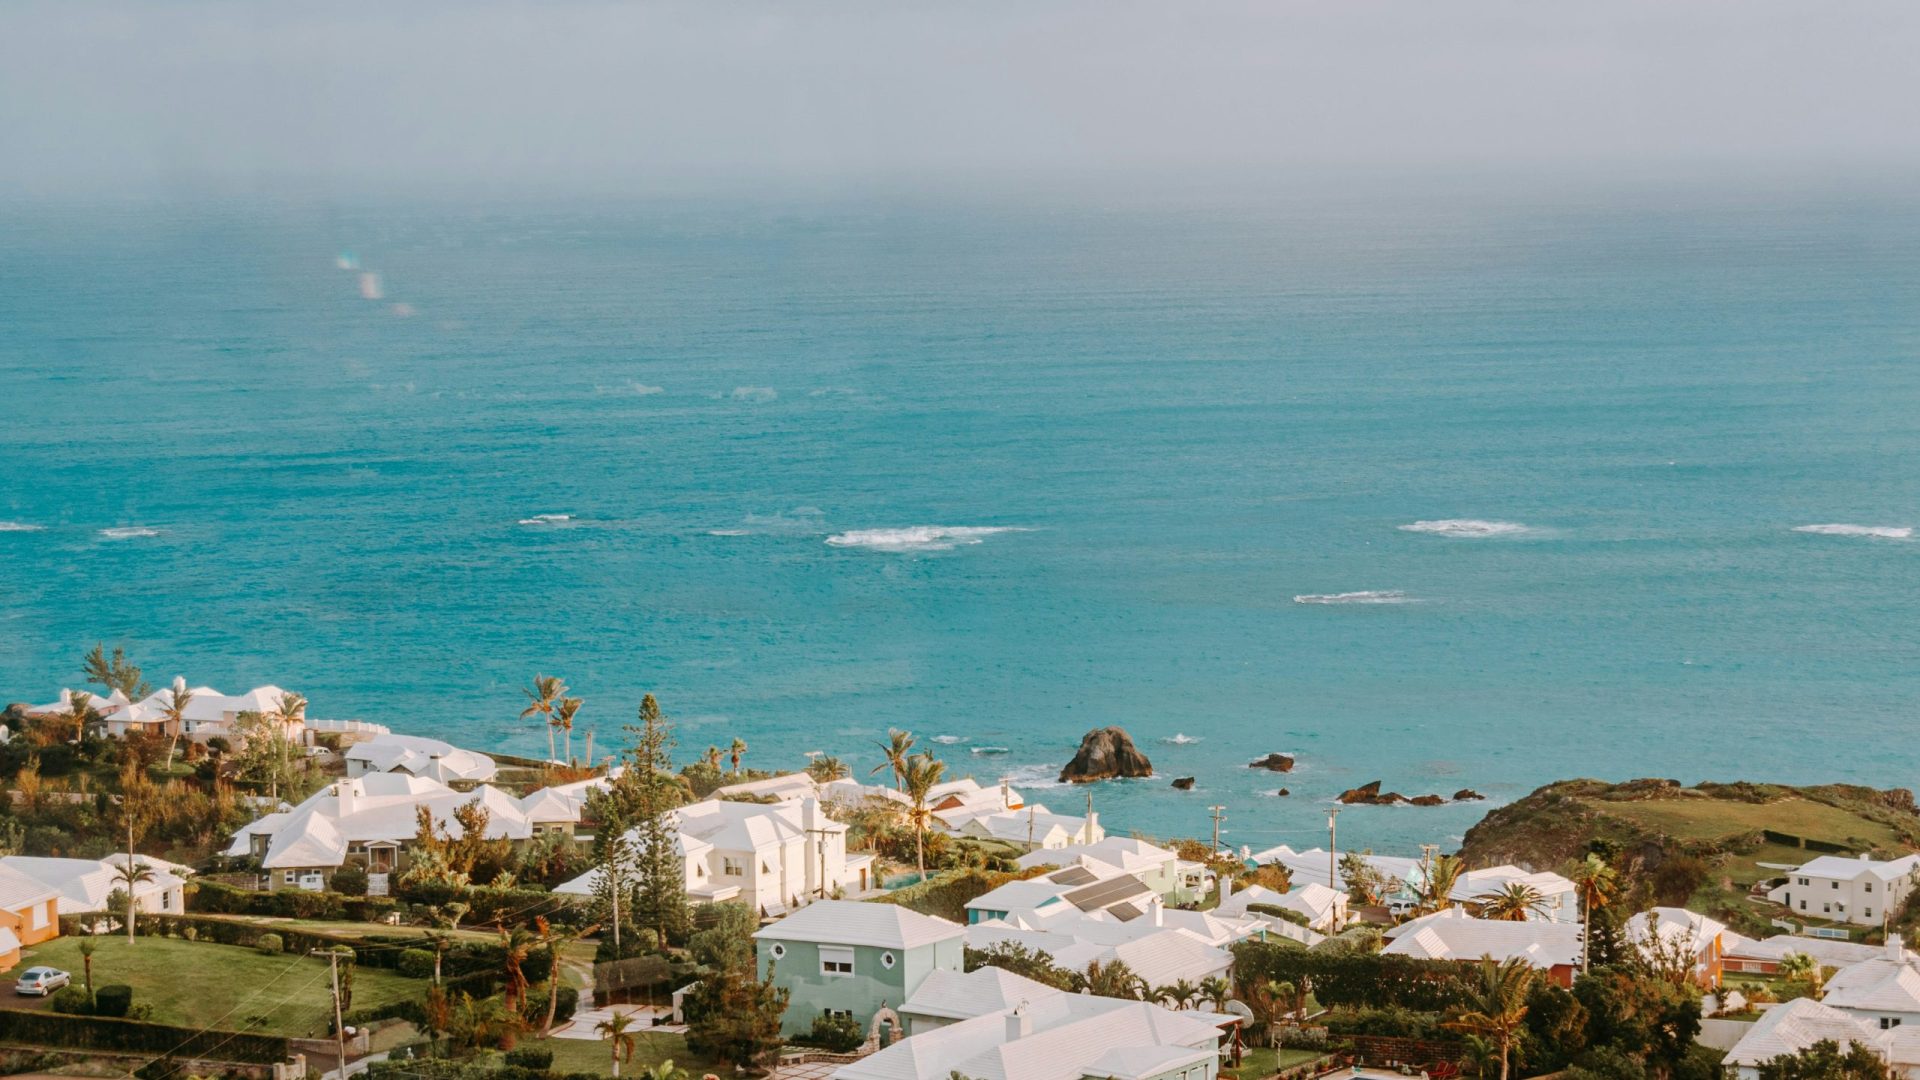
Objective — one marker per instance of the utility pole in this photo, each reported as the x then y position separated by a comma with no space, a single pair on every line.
613,890
339,1027
1086,831
821,843
1029,828
1217,812
1333,850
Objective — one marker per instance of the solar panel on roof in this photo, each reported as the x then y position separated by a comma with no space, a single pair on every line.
1101,894
1073,875
1125,911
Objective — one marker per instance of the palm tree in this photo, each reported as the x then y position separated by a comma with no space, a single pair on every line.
895,751
514,948
563,713
922,775
131,875
1216,992
1182,994
80,713
1112,979
175,711
663,1071
485,1022
555,940
87,947
735,751
1498,1011
826,768
1443,873
441,942
1516,901
621,1041
712,758
1595,880
1804,969
544,693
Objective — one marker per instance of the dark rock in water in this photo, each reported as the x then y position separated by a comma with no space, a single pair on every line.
1104,753
1283,793
1365,793
1275,762
1427,800
1184,783
1467,794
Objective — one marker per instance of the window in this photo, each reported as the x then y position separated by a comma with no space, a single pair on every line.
1803,905
887,960
840,1013
777,951
1869,886
39,916
836,960
730,866
1803,881
1866,913
764,868
291,877
1889,1022
1826,909
1835,884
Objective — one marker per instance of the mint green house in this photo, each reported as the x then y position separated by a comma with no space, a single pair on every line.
854,958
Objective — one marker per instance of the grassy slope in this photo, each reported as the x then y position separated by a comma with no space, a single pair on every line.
200,984
1719,823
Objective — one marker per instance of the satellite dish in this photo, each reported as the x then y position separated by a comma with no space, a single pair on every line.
1239,1009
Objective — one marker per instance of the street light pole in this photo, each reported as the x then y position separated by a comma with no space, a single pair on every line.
1333,850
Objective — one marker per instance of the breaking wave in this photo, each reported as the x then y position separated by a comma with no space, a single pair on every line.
128,532
19,526
727,532
1466,528
1368,596
946,740
547,519
916,538
985,751
1180,738
1884,532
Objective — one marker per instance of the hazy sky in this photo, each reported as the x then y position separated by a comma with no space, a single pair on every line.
252,95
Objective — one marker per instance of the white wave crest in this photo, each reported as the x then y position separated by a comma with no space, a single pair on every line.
19,526
726,532
985,751
128,532
1466,528
1180,738
547,519
754,393
1884,532
916,538
1365,596
946,740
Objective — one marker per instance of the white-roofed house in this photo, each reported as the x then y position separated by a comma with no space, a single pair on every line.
1033,827
372,819
1325,910
1847,889
1157,945
210,713
1883,990
1057,1037
1764,956
785,786
769,856
1176,880
947,997
1792,1027
29,913
418,756
1453,934
854,958
1671,935
1075,888
84,884
1317,866
1559,897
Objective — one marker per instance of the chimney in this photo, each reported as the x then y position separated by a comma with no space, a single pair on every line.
1019,1024
1896,949
1225,887
345,796
1157,919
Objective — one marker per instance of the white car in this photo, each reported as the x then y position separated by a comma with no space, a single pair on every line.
41,981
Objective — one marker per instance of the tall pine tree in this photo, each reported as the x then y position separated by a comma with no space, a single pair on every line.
661,894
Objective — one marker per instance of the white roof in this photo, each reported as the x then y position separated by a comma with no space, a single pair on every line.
1158,953
1121,852
1310,866
1454,935
208,705
431,758
1476,884
1791,1028
1830,953
19,890
855,922
85,884
956,996
1852,868
1889,982
1675,927
106,704
785,786
1072,1036
378,807
1016,825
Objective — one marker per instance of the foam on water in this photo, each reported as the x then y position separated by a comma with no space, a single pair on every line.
1365,596
1884,532
989,750
727,532
128,532
946,740
547,519
1180,738
916,538
19,526
1466,528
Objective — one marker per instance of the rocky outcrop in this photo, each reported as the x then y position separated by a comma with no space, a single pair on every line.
1275,762
1106,753
1183,783
1467,794
1283,793
1427,800
1370,795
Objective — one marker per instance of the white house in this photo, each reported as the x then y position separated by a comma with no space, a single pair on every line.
1121,895
1175,879
1559,897
947,997
1158,952
1317,866
770,856
1670,932
417,756
1452,934
1058,1036
208,714
85,884
1032,827
1796,1026
1849,889
372,818
1324,909
1883,991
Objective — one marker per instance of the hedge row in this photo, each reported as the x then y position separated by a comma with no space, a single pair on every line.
1360,980
515,906
946,896
108,1033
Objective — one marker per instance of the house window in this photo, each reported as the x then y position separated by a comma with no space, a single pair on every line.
1834,884
1803,881
39,916
887,960
1889,1022
1869,886
778,951
1803,905
731,866
290,877
836,960
764,868
1866,913
846,1014
1826,909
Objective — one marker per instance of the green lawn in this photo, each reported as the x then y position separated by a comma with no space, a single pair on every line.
201,984
1261,1062
1713,819
579,1055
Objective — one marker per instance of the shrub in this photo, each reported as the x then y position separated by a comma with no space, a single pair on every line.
534,1012
415,963
350,880
269,944
531,1057
837,1034
72,999
114,1000
100,1033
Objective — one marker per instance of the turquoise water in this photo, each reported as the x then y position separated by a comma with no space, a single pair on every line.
1182,418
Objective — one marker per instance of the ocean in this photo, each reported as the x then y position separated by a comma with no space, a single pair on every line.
1456,489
